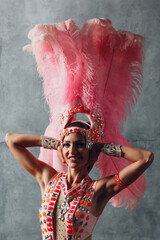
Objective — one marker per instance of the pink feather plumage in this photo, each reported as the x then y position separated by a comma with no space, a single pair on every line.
98,66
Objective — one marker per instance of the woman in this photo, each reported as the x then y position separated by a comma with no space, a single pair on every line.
95,71
75,217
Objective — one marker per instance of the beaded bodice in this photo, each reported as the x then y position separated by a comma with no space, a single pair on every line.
65,214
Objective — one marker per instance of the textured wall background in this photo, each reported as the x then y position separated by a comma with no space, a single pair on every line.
22,110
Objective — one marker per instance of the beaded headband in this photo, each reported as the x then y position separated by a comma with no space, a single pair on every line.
94,134
79,130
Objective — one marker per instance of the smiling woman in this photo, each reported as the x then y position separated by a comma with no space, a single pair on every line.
95,71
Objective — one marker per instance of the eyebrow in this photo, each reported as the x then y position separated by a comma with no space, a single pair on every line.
74,141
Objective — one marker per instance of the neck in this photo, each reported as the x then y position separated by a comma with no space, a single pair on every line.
74,176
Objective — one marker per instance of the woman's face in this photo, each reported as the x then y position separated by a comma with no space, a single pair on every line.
74,151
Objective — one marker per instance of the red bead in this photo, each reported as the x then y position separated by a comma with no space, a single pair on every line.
69,226
70,211
56,190
87,218
79,109
75,130
53,199
69,231
49,229
50,208
69,220
49,224
83,215
81,231
51,203
49,219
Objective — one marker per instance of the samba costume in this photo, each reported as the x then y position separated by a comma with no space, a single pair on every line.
96,71
79,221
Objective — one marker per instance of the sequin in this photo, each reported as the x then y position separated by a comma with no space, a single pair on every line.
81,231
88,194
44,214
76,213
83,215
85,203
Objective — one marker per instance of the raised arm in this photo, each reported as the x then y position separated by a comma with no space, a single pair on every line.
107,187
17,144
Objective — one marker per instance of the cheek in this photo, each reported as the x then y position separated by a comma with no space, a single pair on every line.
86,155
65,152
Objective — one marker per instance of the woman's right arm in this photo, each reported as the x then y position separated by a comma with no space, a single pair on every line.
17,144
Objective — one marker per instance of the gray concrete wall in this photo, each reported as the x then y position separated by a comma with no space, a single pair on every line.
22,110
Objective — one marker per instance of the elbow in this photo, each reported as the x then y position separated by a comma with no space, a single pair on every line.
8,138
149,158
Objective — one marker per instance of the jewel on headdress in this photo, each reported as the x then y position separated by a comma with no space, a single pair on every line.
84,132
75,130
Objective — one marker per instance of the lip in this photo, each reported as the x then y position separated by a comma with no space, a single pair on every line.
73,158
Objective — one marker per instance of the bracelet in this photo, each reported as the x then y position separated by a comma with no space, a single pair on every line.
49,143
112,149
119,182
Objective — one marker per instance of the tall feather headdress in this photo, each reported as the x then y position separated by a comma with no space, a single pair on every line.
98,67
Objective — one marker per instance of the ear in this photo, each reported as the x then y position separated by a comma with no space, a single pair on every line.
60,151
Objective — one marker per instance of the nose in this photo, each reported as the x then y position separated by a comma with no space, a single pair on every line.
73,149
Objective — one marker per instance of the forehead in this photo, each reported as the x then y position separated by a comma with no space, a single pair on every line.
74,137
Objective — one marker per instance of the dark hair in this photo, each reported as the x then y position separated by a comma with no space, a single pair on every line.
79,124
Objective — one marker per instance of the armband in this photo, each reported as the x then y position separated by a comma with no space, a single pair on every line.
49,143
112,149
119,182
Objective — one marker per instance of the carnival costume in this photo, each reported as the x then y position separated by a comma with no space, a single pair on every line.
96,71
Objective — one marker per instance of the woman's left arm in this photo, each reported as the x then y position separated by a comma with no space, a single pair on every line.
141,160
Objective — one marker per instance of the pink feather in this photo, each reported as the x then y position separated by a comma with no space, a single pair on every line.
98,66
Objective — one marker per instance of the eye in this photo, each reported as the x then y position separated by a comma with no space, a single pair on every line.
81,145
66,145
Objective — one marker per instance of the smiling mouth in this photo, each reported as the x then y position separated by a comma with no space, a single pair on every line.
73,158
